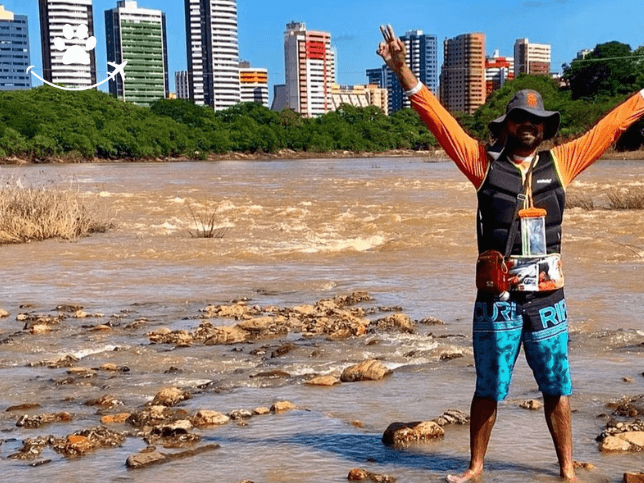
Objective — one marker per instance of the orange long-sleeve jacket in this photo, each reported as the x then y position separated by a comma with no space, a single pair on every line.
570,158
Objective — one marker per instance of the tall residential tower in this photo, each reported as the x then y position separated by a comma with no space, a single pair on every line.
58,42
138,36
462,79
14,51
310,69
213,52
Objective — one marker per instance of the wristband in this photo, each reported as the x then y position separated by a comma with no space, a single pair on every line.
419,86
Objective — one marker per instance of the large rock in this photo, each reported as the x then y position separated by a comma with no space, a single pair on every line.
399,322
371,370
633,477
209,418
404,434
170,396
323,381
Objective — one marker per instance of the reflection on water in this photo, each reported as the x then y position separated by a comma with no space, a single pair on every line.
295,232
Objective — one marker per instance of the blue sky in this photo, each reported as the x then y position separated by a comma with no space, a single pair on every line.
568,25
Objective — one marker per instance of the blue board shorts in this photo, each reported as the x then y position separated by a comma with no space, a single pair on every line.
537,320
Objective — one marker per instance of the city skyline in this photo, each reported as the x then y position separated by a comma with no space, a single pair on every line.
567,25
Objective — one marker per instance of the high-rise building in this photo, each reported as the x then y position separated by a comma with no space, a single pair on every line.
181,84
14,51
213,52
422,58
254,84
530,58
462,79
68,54
498,70
138,36
310,69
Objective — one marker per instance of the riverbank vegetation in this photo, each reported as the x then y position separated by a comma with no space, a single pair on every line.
47,123
42,212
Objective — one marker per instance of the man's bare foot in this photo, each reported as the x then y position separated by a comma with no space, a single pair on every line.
469,475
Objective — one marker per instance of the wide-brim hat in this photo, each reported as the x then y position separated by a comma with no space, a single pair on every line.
530,101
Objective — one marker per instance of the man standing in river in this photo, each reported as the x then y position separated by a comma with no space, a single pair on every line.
530,315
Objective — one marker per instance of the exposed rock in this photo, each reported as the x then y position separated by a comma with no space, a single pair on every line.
107,402
628,406
225,335
324,381
170,396
23,407
404,434
399,322
181,338
3,314
358,474
633,477
371,370
81,371
238,311
109,367
31,422
209,418
283,350
87,440
140,460
31,448
451,353
40,329
453,416
276,374
261,411
532,404
115,418
431,321
613,444
239,414
156,415
583,465
282,406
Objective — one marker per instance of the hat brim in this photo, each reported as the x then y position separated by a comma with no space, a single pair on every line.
551,118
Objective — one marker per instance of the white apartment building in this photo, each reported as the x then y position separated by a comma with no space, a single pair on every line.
213,52
54,15
310,69
531,58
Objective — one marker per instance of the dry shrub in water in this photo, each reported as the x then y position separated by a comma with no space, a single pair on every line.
205,221
42,212
577,200
626,199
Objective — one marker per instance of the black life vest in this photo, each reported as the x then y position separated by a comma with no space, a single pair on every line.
497,199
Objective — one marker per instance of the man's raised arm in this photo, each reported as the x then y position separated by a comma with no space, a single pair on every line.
468,154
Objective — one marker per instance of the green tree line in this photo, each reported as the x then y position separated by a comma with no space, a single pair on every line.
47,122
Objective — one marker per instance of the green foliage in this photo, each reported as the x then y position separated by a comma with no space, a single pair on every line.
45,121
610,70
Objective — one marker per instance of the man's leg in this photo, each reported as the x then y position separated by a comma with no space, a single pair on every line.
482,419
557,411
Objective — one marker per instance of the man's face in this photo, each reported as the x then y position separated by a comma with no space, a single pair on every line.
524,130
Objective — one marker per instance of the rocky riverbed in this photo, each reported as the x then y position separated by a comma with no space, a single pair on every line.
175,423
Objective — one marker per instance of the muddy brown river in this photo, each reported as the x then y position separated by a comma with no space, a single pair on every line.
292,233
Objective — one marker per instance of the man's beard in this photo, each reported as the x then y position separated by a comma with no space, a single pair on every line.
530,142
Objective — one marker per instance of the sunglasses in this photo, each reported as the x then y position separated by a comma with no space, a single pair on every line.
519,115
